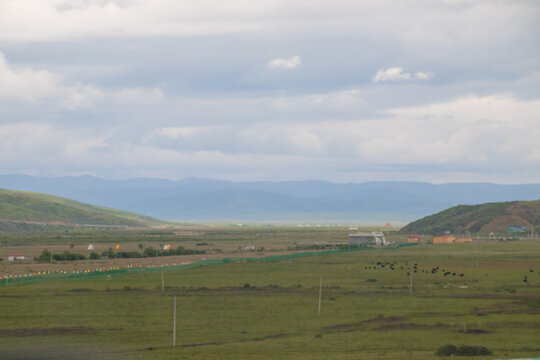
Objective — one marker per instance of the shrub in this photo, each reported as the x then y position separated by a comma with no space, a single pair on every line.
446,350
150,252
94,256
183,251
45,256
68,256
108,254
467,350
128,255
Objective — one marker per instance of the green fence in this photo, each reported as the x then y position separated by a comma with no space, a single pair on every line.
129,269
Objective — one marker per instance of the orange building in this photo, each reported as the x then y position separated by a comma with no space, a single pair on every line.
445,239
464,240
415,239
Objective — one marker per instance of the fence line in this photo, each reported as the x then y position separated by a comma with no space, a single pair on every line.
21,279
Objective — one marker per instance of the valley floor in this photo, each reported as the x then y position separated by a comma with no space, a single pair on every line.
268,310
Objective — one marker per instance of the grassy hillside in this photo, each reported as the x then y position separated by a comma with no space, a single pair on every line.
484,218
21,210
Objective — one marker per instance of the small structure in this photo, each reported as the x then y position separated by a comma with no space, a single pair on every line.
367,238
16,257
463,240
167,247
445,239
415,239
250,248
517,229
117,246
90,247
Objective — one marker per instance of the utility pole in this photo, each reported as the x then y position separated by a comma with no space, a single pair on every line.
320,296
162,282
410,287
174,323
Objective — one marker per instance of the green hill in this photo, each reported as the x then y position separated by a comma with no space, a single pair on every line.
484,218
20,210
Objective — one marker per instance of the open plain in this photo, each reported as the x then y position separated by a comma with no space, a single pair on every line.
462,294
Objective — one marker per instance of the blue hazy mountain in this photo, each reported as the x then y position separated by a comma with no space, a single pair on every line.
195,199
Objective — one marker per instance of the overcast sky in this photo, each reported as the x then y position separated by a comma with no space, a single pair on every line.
341,90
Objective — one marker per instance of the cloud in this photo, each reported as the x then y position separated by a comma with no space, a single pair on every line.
24,84
140,79
291,63
397,74
468,138
469,131
418,21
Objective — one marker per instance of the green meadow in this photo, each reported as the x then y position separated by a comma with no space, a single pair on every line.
269,310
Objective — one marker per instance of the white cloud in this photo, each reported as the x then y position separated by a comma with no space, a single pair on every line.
420,75
468,138
25,84
291,63
174,132
413,21
470,130
42,145
397,74
19,83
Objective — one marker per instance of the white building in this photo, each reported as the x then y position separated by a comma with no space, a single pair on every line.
16,257
367,238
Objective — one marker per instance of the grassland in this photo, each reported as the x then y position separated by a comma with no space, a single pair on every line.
22,210
268,310
217,240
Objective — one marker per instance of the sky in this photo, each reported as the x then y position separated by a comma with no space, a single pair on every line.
341,90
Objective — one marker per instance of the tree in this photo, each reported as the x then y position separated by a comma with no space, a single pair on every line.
45,256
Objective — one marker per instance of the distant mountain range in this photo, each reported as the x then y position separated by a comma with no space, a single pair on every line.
22,210
195,199
484,218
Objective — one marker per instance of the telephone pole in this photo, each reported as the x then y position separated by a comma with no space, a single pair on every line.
320,296
174,323
410,287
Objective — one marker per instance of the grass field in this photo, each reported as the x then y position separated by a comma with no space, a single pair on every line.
217,241
268,310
